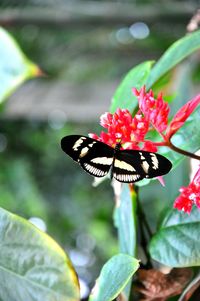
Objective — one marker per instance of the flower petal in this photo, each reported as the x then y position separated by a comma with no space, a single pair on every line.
155,110
190,195
181,116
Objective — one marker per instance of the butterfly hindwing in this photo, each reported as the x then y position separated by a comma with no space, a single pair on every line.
94,156
132,165
128,166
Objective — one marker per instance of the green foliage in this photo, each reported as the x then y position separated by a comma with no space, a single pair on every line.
176,245
114,276
136,77
31,262
15,68
177,242
19,192
32,265
125,221
177,52
124,218
37,179
187,138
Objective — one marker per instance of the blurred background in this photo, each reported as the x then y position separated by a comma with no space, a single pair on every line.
84,49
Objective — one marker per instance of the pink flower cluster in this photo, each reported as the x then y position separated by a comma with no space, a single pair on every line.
155,110
131,132
122,127
190,195
153,113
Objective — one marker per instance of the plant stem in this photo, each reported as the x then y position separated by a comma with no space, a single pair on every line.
134,196
143,225
181,151
142,216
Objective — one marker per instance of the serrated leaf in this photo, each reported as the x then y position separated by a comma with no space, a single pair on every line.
114,276
174,55
32,265
177,243
15,68
136,77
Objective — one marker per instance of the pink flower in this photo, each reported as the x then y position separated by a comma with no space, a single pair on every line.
189,196
181,116
150,146
155,110
129,131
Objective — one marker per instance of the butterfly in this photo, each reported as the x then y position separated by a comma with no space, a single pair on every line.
128,166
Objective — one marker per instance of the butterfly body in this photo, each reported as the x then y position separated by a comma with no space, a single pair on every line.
129,166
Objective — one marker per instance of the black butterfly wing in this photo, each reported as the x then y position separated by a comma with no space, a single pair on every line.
95,157
132,165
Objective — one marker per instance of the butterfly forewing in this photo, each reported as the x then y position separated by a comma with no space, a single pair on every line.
132,165
128,166
95,157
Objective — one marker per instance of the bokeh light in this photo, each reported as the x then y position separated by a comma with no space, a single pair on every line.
57,119
139,30
123,35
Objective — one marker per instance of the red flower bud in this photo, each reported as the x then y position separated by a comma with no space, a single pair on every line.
181,116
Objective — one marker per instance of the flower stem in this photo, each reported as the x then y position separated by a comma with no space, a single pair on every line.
182,151
144,227
134,196
143,218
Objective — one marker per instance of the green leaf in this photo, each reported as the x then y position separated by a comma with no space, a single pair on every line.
177,243
125,221
188,136
174,55
174,217
15,68
136,77
32,265
124,218
114,275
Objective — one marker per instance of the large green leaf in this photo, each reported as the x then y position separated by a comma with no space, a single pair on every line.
32,266
124,218
177,243
174,217
15,68
125,221
136,77
114,275
174,54
188,136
